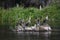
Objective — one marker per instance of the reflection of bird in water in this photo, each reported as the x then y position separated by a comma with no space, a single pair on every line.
45,35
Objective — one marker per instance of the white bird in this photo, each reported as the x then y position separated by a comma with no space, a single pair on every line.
45,27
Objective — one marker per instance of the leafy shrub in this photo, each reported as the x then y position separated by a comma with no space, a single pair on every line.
10,16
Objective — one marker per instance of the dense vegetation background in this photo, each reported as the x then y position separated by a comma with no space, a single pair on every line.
9,17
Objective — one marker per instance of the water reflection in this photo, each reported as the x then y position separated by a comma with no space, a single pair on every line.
7,35
34,35
45,35
26,36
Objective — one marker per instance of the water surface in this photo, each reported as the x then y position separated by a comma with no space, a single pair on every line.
5,35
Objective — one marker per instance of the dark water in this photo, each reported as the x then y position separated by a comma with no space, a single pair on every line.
54,35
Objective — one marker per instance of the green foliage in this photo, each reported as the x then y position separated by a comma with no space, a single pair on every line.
10,16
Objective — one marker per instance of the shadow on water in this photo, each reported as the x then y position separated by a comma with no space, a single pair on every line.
8,35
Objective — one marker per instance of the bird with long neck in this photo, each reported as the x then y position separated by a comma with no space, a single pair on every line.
45,20
28,21
45,26
37,22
